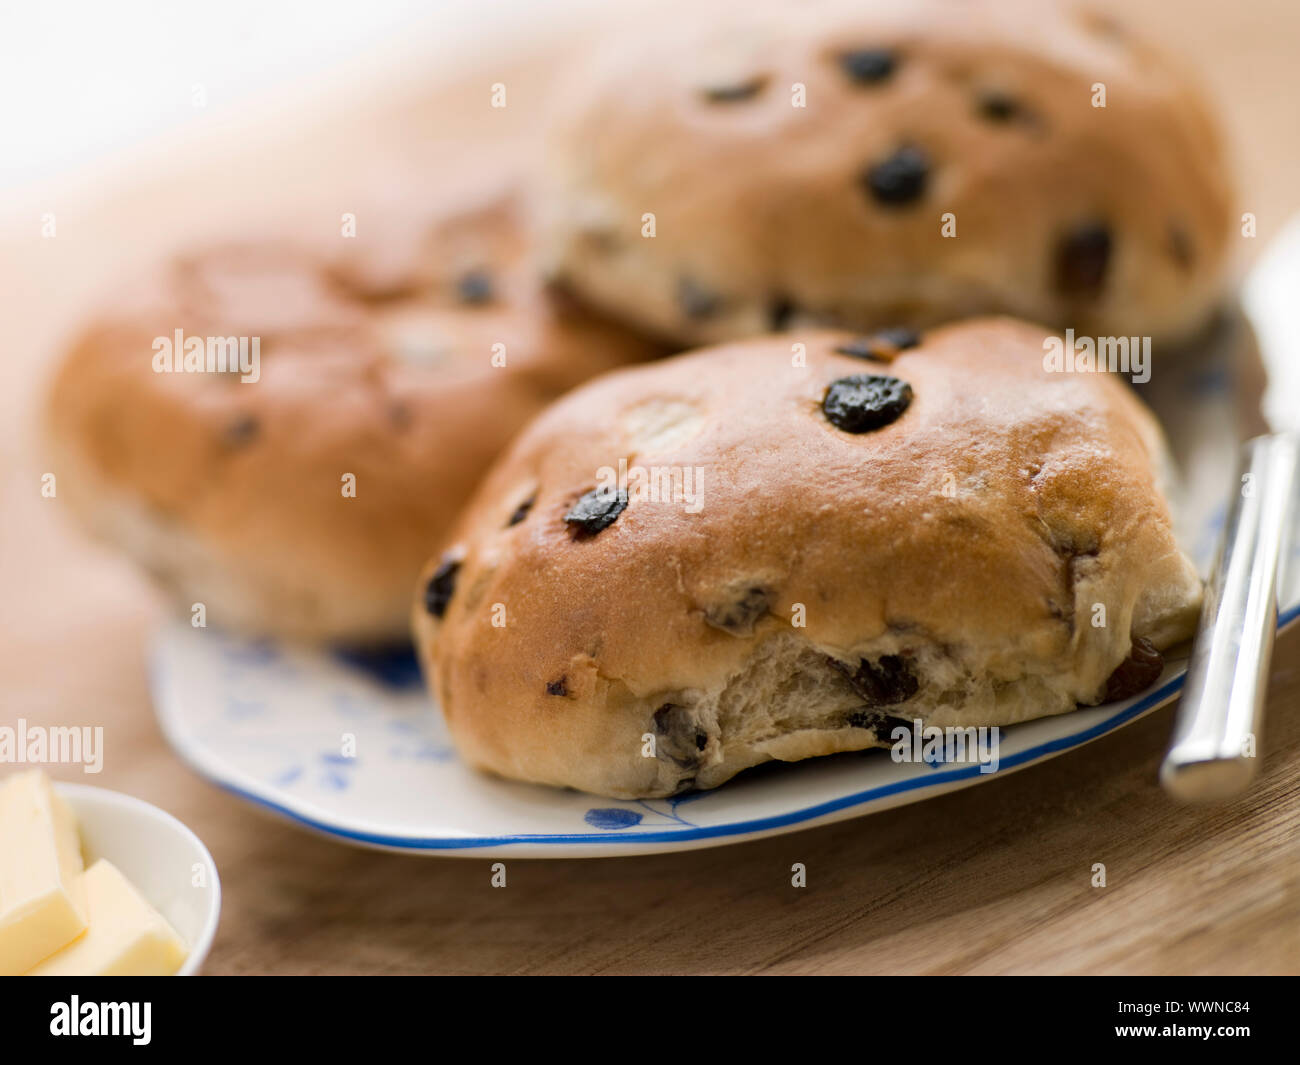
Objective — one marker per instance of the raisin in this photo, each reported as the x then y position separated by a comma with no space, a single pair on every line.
780,310
695,300
1180,246
997,106
558,687
521,511
399,415
735,92
441,587
900,179
664,717
475,287
1082,258
886,682
1137,672
882,346
881,724
739,617
241,432
868,66
864,402
596,510
679,736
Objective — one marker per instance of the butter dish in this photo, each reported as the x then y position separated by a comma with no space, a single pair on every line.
165,862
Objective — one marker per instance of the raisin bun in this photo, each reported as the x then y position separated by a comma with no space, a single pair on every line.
805,547
303,503
949,161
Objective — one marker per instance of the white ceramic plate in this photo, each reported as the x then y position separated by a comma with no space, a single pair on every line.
164,860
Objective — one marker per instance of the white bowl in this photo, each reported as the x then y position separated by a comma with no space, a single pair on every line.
159,855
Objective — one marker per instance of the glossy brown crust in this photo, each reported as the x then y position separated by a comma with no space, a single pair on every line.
763,213
376,361
972,537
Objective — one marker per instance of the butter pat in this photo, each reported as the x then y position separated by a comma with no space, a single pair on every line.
42,904
126,937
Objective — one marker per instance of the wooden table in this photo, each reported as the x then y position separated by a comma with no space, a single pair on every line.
993,879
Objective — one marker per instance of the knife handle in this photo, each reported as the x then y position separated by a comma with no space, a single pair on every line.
1227,677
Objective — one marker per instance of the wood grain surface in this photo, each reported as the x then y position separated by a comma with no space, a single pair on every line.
994,879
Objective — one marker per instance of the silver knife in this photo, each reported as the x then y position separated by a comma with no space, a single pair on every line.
1215,750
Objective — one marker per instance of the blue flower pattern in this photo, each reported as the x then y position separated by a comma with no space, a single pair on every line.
661,812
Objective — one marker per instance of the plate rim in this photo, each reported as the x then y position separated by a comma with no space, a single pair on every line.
735,831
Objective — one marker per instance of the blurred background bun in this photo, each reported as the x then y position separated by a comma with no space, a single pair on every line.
406,360
888,162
